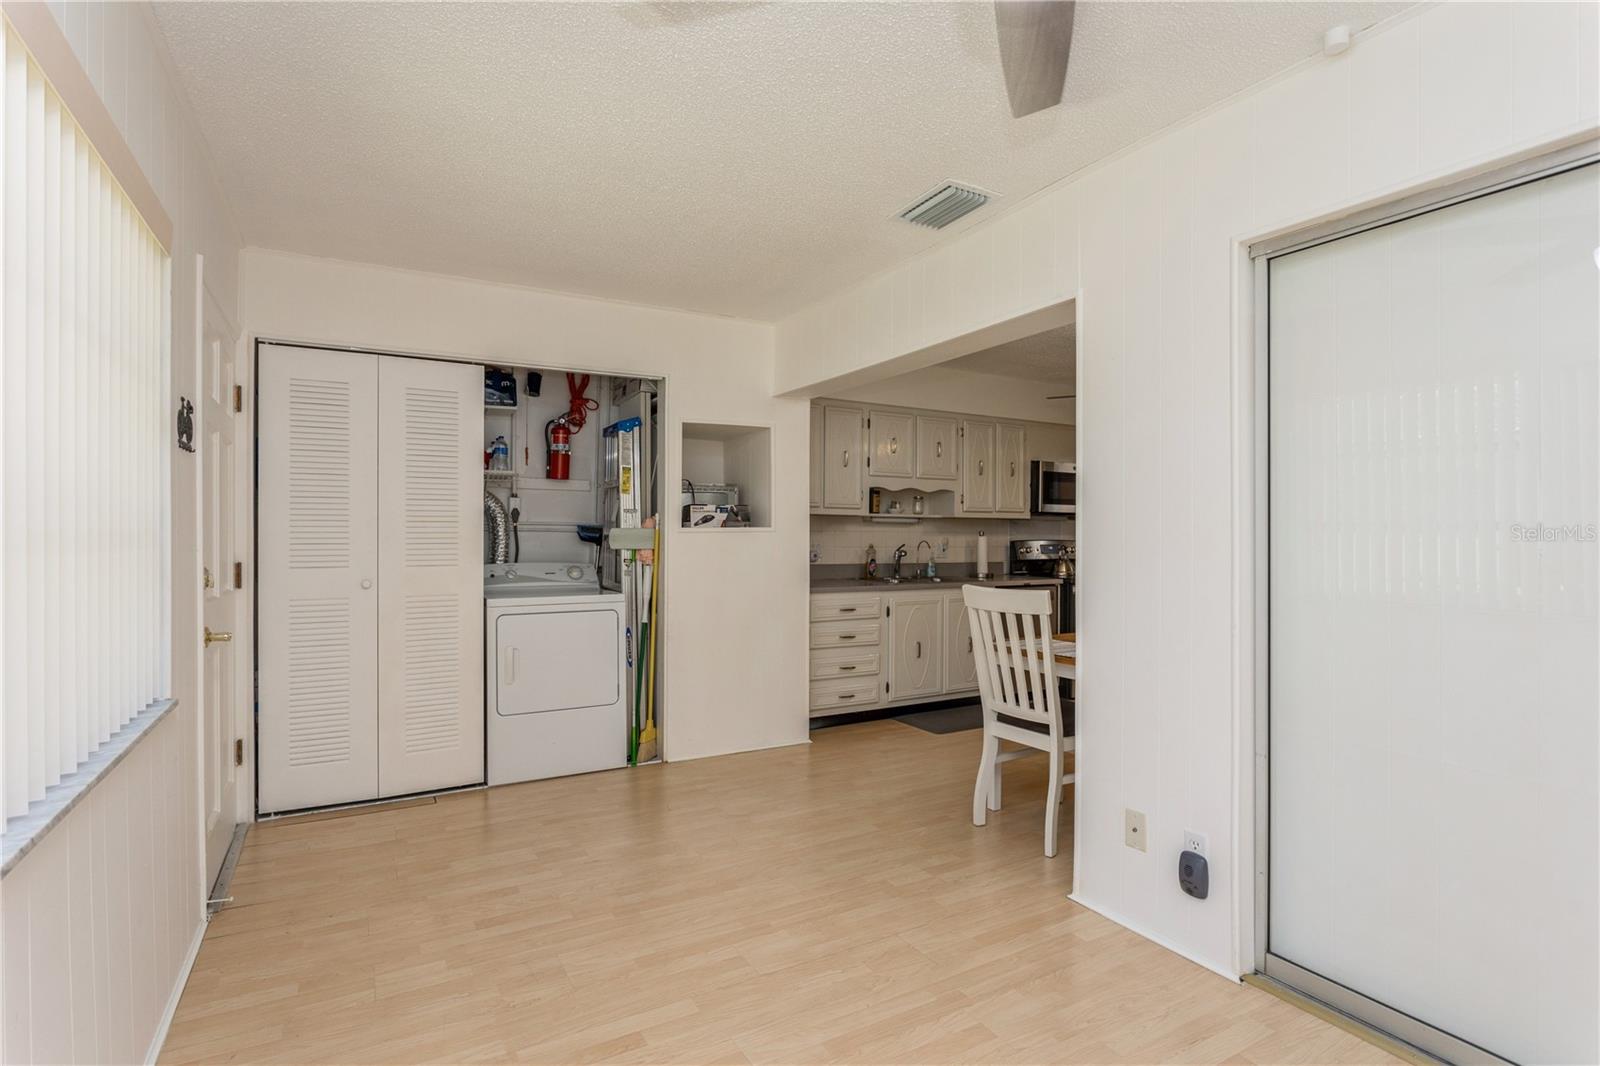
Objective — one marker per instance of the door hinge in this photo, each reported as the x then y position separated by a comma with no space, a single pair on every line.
238,752
238,398
238,575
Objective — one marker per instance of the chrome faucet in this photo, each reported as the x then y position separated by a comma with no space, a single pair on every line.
920,545
899,553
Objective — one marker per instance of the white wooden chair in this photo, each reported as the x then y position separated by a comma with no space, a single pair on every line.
1011,641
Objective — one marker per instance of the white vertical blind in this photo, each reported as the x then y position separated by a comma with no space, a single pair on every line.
83,479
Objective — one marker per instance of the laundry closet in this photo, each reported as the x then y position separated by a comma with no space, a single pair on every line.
457,575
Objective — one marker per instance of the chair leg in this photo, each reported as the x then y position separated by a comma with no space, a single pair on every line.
987,777
1052,804
994,784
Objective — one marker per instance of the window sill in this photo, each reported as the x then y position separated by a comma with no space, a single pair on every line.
25,830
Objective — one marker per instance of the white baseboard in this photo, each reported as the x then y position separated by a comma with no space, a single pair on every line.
160,1037
1135,927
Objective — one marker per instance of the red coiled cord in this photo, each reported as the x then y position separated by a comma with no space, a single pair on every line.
579,405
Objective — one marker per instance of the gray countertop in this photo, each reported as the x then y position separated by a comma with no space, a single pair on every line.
861,584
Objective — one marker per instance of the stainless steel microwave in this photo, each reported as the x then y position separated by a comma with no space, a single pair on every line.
1054,488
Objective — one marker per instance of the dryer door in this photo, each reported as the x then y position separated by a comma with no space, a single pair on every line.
558,660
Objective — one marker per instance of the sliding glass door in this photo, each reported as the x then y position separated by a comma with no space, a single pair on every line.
1434,654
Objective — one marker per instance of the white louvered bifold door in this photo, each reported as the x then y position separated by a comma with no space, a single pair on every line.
430,575
318,577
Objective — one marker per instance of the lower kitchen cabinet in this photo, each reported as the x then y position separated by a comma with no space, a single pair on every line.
892,648
916,647
960,668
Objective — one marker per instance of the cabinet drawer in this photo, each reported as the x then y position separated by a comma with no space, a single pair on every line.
845,663
846,634
827,608
846,695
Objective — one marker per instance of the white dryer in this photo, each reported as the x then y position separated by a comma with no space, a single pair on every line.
554,672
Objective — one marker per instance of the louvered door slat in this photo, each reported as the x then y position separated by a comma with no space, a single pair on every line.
318,578
430,505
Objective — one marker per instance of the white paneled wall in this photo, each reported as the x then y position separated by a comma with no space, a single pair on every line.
1146,239
134,839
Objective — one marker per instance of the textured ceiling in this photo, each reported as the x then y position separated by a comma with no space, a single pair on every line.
739,158
1050,357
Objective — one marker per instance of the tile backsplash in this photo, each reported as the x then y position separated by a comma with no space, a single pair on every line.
843,539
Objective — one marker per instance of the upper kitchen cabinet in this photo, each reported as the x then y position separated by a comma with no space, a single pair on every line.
818,450
977,467
893,444
1011,471
843,459
936,448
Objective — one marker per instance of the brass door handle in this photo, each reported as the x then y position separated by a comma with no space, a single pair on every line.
217,638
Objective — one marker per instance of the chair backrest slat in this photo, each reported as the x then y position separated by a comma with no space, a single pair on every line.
1012,644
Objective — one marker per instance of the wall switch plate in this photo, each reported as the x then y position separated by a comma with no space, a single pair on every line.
1133,829
944,547
1195,842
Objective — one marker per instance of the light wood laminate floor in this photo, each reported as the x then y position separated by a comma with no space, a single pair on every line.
829,903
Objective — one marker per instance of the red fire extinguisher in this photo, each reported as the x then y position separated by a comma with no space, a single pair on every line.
558,449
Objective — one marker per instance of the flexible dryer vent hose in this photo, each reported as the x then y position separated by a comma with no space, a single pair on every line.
500,551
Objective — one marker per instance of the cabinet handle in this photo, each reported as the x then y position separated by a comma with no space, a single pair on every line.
848,696
847,636
980,467
919,649
847,610
938,449
969,645
847,457
894,445
846,669
1013,469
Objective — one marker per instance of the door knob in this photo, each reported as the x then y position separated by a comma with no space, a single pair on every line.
217,638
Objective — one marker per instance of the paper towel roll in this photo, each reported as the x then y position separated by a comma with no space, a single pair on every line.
983,554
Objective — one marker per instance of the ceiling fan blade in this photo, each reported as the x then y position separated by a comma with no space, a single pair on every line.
1035,40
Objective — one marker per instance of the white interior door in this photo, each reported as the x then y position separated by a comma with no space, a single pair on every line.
221,579
430,575
317,575
1435,453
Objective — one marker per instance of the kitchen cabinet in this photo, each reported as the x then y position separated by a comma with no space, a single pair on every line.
977,467
843,461
960,667
818,450
916,646
936,448
892,434
1011,470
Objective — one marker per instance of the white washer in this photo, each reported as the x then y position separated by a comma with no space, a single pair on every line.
554,672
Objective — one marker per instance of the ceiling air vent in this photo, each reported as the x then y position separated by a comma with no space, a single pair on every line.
944,205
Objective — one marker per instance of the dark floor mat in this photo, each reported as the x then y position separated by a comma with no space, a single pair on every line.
956,719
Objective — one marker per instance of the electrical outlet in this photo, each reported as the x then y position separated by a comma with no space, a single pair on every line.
944,547
1133,830
1195,842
